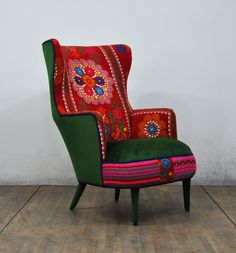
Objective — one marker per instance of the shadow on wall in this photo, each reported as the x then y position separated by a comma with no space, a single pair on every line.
203,125
33,152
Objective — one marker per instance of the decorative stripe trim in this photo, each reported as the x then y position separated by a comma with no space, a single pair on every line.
128,165
149,167
105,53
144,172
69,87
124,85
102,139
133,182
63,91
130,173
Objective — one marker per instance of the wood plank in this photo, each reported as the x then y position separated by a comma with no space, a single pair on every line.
225,196
98,224
12,198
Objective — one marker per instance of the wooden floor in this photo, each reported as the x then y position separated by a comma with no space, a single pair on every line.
37,219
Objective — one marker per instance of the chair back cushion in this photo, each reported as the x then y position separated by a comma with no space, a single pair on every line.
95,78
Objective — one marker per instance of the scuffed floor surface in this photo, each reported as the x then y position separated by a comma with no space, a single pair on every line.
37,219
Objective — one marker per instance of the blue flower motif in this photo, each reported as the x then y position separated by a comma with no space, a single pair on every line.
165,163
121,48
99,80
79,71
99,91
152,129
79,80
108,131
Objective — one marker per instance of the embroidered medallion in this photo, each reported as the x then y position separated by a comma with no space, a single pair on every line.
151,126
91,82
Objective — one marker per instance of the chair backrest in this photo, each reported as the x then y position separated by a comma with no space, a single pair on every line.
94,78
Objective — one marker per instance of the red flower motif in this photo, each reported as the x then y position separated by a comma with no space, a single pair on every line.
117,114
89,71
90,50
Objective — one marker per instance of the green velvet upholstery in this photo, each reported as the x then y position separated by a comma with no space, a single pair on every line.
85,155
145,149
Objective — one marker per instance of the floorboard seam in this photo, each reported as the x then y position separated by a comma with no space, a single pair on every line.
24,204
218,205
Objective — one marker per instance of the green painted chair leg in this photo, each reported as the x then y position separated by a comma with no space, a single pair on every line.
186,193
77,195
135,204
117,194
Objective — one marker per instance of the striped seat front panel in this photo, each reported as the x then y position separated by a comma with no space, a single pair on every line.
151,172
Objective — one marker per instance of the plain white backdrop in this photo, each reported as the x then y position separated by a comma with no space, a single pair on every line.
184,57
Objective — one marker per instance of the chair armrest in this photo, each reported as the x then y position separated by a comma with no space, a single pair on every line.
152,123
100,127
85,138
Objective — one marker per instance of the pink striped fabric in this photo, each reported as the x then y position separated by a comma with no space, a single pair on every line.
149,172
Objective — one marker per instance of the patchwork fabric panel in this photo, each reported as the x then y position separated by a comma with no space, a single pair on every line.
153,123
95,79
152,172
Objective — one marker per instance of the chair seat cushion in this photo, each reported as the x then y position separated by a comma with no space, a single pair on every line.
148,161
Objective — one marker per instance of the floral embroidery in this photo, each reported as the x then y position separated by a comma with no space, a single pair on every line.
152,126
165,163
91,82
166,170
121,48
114,121
117,114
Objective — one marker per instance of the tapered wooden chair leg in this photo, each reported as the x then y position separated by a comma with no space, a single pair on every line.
117,194
135,204
186,193
77,195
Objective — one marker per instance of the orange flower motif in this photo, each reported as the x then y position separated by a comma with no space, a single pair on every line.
116,134
117,114
152,126
101,109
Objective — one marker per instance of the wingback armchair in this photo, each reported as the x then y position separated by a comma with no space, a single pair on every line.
111,144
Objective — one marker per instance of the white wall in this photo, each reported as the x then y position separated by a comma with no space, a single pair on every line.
184,57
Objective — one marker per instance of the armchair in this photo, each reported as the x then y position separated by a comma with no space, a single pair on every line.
110,144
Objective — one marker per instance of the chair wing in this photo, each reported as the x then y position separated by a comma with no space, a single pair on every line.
76,128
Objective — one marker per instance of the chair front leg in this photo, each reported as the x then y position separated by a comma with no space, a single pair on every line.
117,194
135,204
77,195
186,193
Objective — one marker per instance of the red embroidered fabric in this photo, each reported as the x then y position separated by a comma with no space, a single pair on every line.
152,123
94,80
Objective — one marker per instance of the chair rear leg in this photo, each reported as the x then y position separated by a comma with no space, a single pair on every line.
117,194
186,193
77,195
135,204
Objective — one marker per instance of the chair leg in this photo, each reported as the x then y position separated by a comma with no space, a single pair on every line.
77,195
135,204
117,194
186,193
